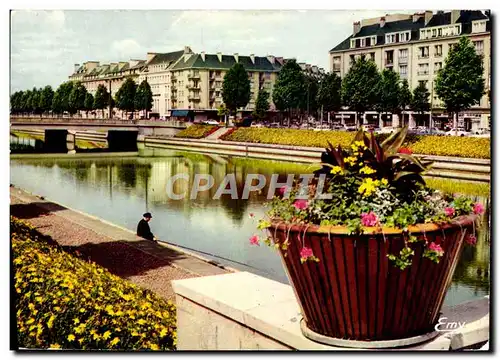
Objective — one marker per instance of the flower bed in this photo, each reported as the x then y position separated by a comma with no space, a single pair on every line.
197,131
430,145
65,302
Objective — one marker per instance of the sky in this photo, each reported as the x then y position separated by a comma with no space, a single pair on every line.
45,45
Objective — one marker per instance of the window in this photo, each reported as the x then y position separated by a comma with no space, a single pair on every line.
434,32
479,46
403,71
423,69
403,53
372,55
423,52
437,67
422,82
438,50
351,58
362,42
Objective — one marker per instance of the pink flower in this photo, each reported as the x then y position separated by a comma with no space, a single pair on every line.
471,240
300,204
306,253
435,247
251,215
369,219
478,208
283,190
254,240
449,211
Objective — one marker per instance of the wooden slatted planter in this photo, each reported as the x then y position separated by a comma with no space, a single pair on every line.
355,293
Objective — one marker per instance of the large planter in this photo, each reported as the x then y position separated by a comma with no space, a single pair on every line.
355,292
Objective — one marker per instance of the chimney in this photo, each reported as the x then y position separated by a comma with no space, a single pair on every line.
252,57
314,68
356,26
219,56
416,16
236,57
77,66
302,65
271,58
149,56
455,14
280,60
187,50
202,54
382,21
427,16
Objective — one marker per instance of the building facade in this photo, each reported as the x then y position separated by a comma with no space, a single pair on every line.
183,81
416,46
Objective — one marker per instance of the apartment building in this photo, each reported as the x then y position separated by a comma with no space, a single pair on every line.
183,81
416,46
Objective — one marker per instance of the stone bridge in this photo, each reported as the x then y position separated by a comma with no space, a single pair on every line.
121,134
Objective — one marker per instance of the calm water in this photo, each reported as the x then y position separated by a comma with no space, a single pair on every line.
119,190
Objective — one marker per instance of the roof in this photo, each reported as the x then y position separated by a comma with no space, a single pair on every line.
166,57
211,61
438,19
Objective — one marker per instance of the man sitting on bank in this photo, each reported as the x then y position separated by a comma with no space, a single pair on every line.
143,229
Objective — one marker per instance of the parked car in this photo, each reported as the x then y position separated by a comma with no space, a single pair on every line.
457,132
321,128
338,127
350,128
386,130
257,125
438,132
210,122
304,126
274,125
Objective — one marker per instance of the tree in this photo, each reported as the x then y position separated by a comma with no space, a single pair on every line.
60,102
329,96
405,96
101,98
236,88
77,98
89,103
359,87
35,100
125,96
26,103
420,100
308,101
46,97
289,88
144,98
16,102
388,92
460,83
261,104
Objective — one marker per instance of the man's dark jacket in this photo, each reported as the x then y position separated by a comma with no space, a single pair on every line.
144,231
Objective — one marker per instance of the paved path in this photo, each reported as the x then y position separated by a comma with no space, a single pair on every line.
140,261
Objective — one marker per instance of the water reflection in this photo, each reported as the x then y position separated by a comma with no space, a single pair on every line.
120,189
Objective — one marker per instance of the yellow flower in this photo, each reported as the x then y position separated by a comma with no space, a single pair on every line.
76,321
55,346
115,341
154,347
384,181
71,337
106,335
141,321
51,321
367,170
351,160
337,170
368,187
30,321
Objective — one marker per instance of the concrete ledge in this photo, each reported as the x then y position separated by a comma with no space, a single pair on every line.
242,311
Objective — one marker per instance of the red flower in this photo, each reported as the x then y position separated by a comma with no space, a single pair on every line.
405,150
251,215
478,208
449,211
254,240
282,190
471,239
436,248
306,253
300,204
369,219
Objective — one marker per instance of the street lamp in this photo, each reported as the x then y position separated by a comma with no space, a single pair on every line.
110,105
146,71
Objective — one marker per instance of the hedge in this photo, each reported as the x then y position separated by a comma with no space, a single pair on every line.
197,131
63,301
471,147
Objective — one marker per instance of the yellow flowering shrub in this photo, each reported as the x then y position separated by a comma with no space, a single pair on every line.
65,302
196,131
429,145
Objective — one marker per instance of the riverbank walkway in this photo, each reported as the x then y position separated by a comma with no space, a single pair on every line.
147,264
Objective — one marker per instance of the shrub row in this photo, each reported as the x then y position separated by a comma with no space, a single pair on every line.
63,301
197,131
430,145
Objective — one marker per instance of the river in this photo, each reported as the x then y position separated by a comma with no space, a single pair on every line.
120,189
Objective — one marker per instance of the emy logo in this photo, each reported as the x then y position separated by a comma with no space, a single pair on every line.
443,325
